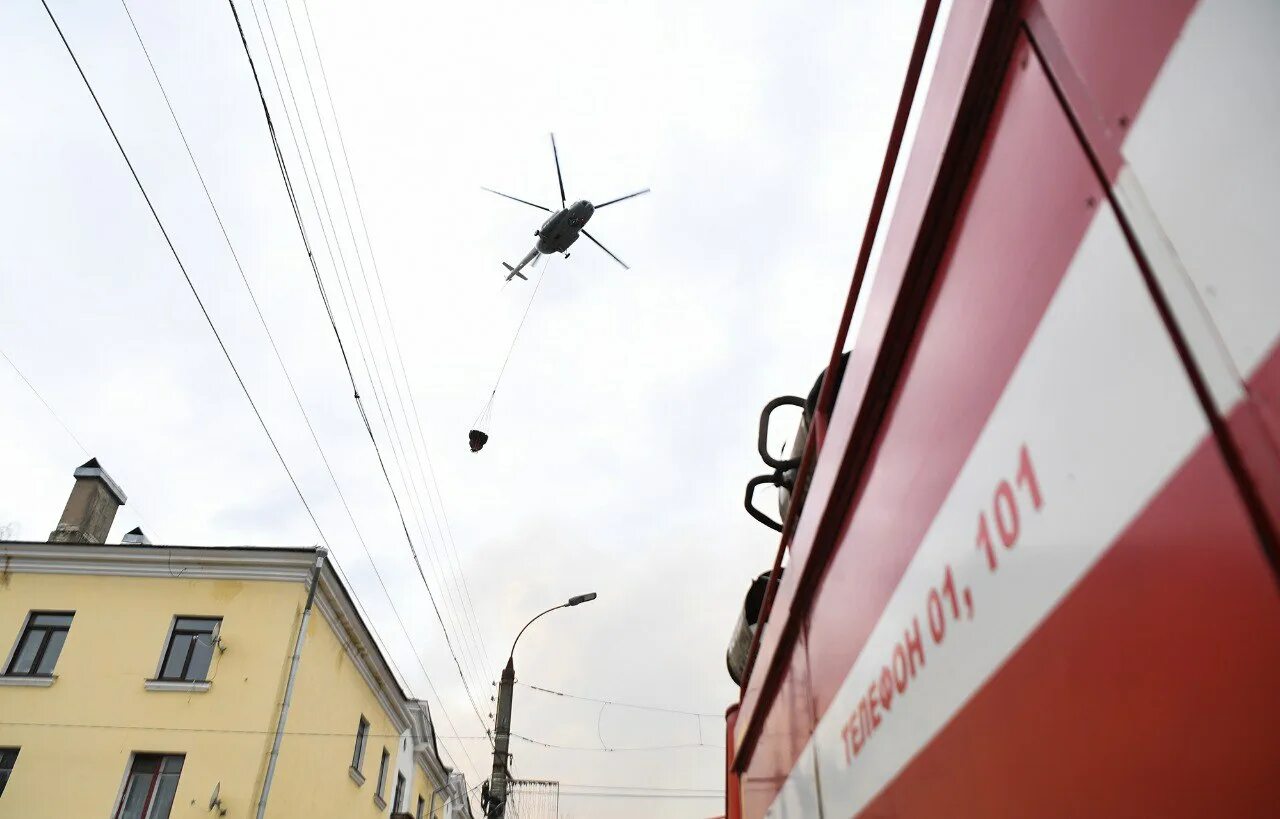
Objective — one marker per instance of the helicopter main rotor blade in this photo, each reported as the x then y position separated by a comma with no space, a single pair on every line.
620,198
559,178
606,250
521,201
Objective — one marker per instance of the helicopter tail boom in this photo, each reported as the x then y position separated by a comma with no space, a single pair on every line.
515,271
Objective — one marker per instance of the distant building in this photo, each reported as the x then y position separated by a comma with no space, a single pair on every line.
148,682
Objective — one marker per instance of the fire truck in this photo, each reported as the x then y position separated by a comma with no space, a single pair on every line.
1030,526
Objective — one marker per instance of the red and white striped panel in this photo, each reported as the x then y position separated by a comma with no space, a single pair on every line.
1201,186
1049,598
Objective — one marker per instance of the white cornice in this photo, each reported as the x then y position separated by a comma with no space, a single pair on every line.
245,563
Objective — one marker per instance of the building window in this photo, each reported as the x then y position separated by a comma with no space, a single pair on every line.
422,807
8,757
190,648
398,800
40,644
150,786
362,739
382,773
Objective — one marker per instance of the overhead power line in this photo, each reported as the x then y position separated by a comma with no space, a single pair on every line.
181,729
183,268
40,398
178,259
618,703
283,367
319,281
653,788
65,428
380,394
588,795
346,360
445,532
599,749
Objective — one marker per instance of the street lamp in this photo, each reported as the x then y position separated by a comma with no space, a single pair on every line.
502,730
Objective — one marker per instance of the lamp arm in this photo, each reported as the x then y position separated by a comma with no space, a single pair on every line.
526,625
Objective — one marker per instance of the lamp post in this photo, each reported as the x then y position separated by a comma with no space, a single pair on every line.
497,806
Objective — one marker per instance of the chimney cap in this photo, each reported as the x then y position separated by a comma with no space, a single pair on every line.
137,537
92,469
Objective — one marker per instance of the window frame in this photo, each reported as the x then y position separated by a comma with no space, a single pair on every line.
383,767
27,626
168,646
398,795
362,745
6,769
422,807
148,806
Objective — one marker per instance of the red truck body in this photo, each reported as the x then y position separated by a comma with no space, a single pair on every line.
1031,568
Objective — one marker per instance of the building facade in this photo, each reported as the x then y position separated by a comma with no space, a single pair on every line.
149,682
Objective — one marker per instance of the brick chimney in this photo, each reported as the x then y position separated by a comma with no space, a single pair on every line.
92,507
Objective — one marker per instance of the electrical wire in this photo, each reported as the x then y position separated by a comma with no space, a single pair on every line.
182,267
137,513
381,399
448,545
40,398
380,393
676,747
616,750
190,729
642,795
316,201
355,191
372,371
102,726
284,369
617,702
653,788
347,363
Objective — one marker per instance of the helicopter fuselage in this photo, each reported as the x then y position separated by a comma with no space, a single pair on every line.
563,227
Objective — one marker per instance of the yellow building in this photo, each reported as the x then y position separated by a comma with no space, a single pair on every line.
148,682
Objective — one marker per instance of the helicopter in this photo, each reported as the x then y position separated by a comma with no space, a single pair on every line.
563,227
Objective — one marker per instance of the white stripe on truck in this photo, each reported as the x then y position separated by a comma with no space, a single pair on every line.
1096,417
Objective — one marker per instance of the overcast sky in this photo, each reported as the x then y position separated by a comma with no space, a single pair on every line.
623,429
